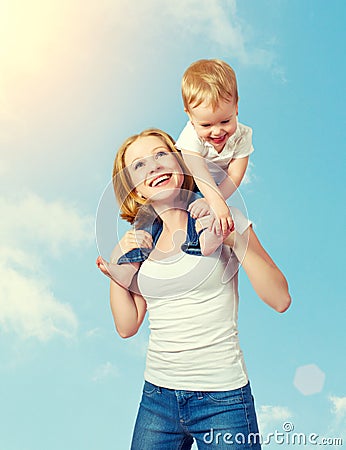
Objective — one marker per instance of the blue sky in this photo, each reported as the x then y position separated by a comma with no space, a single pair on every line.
77,78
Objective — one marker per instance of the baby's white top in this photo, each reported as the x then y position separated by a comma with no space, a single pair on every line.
238,145
193,311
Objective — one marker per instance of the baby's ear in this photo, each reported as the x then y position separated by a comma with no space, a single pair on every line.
189,115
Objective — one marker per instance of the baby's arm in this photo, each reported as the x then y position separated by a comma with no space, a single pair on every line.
124,273
236,171
206,184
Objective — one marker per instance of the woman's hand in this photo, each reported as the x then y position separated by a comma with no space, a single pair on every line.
122,274
128,306
135,239
102,265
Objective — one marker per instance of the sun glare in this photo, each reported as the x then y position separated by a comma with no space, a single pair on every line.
27,29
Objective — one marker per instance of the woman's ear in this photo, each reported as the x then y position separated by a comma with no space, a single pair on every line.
140,195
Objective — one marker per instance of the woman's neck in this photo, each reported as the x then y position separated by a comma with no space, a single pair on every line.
173,215
173,235
172,212
174,219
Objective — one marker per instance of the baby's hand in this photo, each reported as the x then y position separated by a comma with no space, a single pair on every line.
223,223
199,208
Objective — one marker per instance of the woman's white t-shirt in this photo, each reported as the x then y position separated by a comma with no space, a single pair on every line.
192,303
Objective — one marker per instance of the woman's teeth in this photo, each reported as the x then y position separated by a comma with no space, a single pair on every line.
159,180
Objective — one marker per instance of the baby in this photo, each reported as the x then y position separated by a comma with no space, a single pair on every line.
215,146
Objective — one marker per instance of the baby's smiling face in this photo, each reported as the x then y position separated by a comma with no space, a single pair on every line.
215,126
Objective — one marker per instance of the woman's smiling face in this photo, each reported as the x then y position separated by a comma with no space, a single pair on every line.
153,168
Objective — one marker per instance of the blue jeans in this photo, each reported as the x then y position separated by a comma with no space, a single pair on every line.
170,419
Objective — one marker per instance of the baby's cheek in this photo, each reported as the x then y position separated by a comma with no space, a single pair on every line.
202,133
233,128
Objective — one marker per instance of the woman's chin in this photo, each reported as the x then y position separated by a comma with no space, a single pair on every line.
165,195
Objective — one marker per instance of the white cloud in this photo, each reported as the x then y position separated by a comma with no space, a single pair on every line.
272,418
33,229
338,406
30,219
138,346
93,333
337,426
249,174
105,370
223,27
28,308
279,73
269,416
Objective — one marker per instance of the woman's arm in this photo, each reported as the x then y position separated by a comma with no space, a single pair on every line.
127,305
267,280
128,308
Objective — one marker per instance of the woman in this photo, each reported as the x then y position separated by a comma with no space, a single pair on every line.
196,384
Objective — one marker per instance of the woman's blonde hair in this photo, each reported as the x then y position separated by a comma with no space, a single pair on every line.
208,80
126,194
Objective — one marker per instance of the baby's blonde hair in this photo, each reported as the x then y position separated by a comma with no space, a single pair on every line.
208,80
126,194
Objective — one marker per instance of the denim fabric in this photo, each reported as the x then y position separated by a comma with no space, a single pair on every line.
170,419
190,246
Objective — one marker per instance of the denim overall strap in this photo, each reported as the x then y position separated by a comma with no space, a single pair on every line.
192,246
